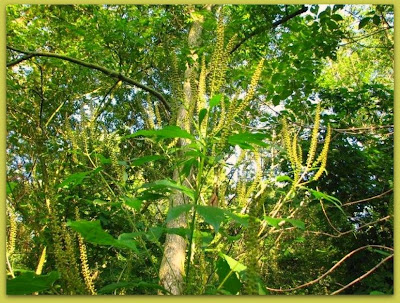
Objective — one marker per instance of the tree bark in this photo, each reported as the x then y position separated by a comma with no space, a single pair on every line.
172,269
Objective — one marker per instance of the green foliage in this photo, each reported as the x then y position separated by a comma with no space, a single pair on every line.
28,283
184,133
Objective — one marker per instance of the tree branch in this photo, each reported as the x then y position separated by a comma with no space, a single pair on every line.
331,269
364,275
102,69
368,199
274,25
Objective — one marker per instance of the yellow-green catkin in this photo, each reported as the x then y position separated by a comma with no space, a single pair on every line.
252,88
150,112
288,142
176,83
72,137
12,235
42,260
222,118
228,122
84,262
158,116
323,157
201,102
216,57
314,137
241,193
258,174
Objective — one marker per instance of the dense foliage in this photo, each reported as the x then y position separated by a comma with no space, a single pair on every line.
170,149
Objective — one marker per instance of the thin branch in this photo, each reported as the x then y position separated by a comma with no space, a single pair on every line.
327,217
330,270
368,199
363,276
102,69
267,27
348,231
352,129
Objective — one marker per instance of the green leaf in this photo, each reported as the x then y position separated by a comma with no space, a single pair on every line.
92,232
215,100
146,159
273,221
376,293
168,184
133,202
239,218
73,180
234,265
320,195
337,17
243,140
376,19
364,22
283,179
212,215
176,211
139,284
229,278
10,187
202,114
296,223
77,178
28,283
171,131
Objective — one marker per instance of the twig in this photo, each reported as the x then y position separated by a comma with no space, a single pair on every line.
363,276
327,218
331,269
367,199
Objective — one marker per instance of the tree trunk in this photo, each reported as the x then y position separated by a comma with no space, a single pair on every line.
172,269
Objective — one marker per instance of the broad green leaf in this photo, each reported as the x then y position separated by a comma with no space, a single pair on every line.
215,100
92,232
212,215
376,19
244,140
103,160
145,159
296,223
202,114
229,278
171,131
77,178
168,184
337,17
234,265
363,22
176,211
239,218
133,202
28,283
273,221
283,179
73,180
